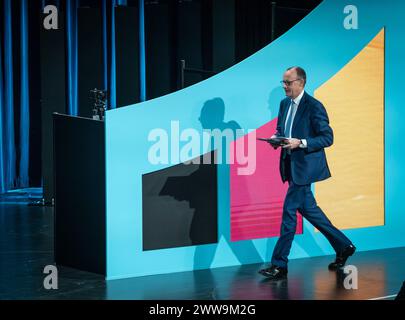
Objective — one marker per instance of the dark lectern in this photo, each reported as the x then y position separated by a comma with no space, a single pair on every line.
79,177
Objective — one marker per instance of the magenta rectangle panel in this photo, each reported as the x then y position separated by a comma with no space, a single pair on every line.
257,199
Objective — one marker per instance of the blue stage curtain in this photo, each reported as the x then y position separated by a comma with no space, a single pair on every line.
72,56
23,180
8,175
14,71
142,62
108,10
113,82
14,165
2,142
105,43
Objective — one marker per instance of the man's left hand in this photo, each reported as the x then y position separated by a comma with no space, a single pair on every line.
292,144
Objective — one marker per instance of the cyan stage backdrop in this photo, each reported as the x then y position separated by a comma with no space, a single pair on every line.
251,93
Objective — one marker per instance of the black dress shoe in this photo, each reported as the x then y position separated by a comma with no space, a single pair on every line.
342,257
274,273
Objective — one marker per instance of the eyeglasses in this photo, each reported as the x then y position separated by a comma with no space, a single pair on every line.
287,82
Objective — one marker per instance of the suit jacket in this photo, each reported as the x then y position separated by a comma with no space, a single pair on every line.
311,122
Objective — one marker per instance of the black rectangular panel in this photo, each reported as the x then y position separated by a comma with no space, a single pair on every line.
53,94
80,213
161,67
223,35
127,55
286,18
34,35
90,57
180,206
189,32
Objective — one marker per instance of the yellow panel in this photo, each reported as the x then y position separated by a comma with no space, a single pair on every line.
354,100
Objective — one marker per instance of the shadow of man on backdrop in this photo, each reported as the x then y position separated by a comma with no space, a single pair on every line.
273,101
212,117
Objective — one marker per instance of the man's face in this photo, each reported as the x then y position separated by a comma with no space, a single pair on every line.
292,86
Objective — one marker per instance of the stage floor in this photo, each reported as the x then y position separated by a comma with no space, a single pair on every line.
26,247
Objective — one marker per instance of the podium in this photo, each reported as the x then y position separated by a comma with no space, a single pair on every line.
80,196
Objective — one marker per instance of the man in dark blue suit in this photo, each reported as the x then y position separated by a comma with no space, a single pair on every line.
304,121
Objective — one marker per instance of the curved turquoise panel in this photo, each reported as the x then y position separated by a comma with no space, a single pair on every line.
251,93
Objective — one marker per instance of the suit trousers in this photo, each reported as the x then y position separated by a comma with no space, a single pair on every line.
300,198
